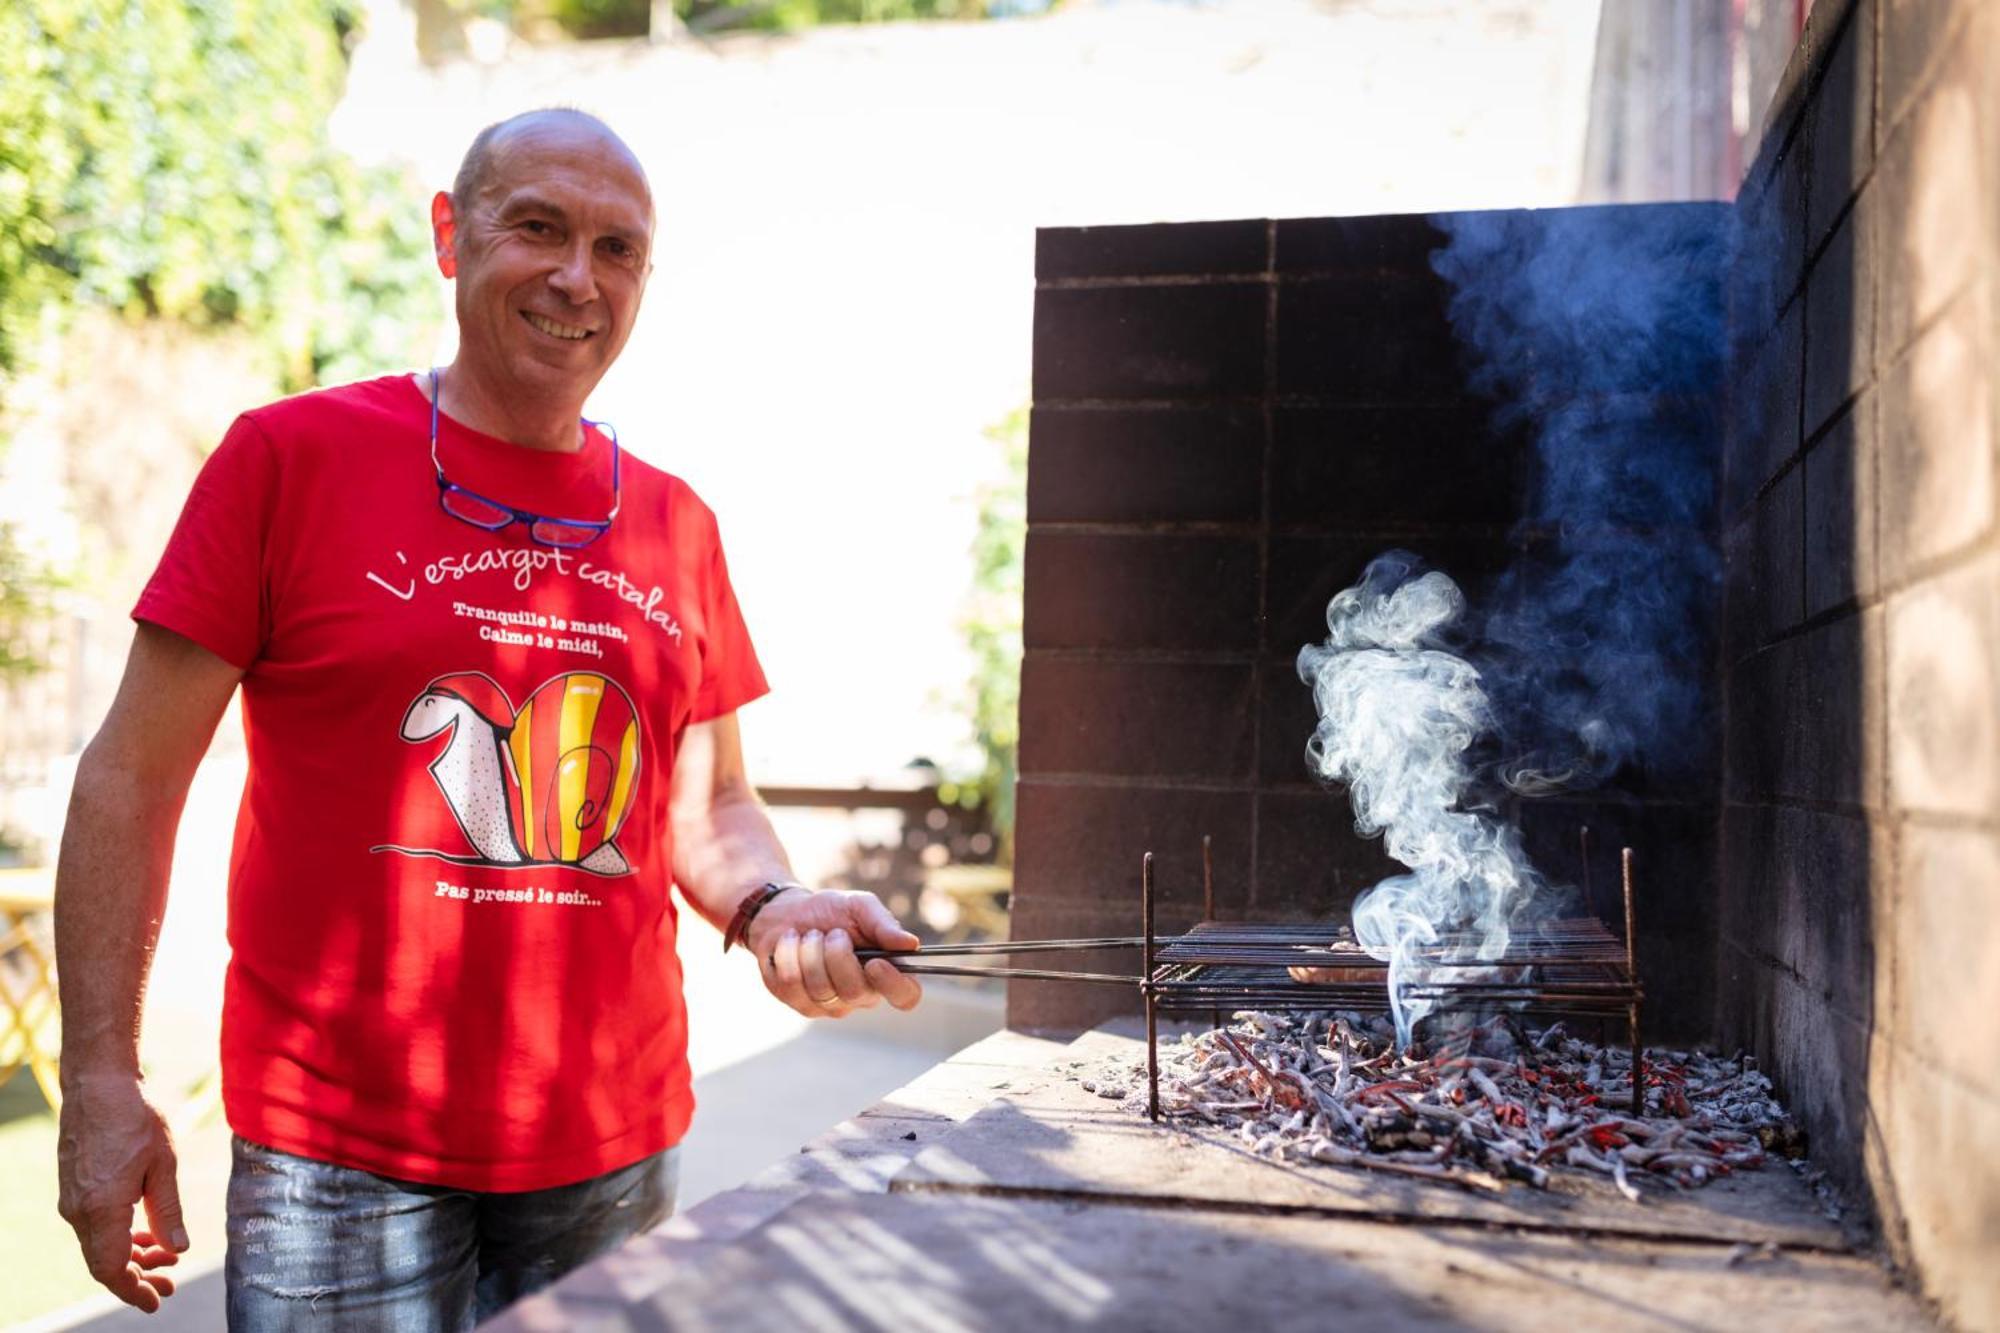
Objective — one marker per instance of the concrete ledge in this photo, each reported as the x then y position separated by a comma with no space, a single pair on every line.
857,1233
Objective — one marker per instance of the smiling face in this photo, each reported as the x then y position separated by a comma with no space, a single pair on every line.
551,251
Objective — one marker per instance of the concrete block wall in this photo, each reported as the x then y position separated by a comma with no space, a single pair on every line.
1230,420
1860,860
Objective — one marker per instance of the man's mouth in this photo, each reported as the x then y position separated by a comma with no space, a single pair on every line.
567,332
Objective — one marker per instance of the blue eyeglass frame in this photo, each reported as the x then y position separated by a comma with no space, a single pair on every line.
596,527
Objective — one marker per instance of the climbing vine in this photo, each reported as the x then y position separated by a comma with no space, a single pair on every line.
169,159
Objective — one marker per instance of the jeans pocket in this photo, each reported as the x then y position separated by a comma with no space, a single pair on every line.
267,1181
342,1238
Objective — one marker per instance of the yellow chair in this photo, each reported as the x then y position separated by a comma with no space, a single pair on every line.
30,1018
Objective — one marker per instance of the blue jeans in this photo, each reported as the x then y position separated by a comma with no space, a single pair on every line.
318,1246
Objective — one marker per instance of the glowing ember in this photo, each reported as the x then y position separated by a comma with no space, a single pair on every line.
1475,1108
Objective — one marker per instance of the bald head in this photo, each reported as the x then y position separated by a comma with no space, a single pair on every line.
490,145
547,236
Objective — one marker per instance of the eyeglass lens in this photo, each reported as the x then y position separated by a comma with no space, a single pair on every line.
470,508
554,532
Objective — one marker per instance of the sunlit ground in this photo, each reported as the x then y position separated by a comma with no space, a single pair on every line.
842,305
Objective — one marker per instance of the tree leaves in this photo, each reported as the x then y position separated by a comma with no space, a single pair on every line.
169,158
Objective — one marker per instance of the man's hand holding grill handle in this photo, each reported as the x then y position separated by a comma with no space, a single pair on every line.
805,943
725,850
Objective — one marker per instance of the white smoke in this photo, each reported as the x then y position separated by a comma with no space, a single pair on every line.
1397,714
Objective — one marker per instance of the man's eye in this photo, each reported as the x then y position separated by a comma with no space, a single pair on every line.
536,227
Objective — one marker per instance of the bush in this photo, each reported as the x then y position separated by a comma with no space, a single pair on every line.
790,15
992,626
604,18
169,158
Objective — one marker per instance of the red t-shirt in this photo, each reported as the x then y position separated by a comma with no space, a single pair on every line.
452,938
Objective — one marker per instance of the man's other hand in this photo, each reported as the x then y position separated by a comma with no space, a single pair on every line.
113,1153
805,945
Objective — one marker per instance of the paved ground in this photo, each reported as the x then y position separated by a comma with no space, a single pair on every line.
889,1262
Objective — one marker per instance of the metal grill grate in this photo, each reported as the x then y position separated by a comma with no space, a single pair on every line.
1567,966
1570,965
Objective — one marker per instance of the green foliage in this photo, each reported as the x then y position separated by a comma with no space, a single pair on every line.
992,624
789,14
604,18
507,11
631,18
24,601
169,158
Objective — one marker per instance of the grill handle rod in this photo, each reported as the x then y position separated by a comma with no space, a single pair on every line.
918,961
1015,973
1001,947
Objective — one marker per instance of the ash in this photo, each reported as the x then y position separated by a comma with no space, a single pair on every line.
1479,1106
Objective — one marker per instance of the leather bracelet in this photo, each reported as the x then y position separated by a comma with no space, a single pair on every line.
746,911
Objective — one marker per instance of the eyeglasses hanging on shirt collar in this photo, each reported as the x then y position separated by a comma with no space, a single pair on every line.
471,507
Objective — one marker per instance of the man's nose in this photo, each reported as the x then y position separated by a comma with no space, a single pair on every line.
573,277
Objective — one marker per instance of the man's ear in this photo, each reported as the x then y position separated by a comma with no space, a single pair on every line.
444,233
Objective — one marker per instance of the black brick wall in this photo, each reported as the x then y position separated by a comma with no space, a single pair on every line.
1230,420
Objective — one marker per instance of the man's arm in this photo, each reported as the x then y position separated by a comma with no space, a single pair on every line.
725,850
111,891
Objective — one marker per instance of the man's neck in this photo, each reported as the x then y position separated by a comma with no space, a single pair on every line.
507,414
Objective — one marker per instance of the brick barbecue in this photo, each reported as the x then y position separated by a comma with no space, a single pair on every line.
1197,491
1232,418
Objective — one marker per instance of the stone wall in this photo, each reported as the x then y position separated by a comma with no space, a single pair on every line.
1860,955
1230,420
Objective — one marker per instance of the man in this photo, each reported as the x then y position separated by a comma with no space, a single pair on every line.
490,668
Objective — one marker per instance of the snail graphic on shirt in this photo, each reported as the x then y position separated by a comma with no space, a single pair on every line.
549,783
